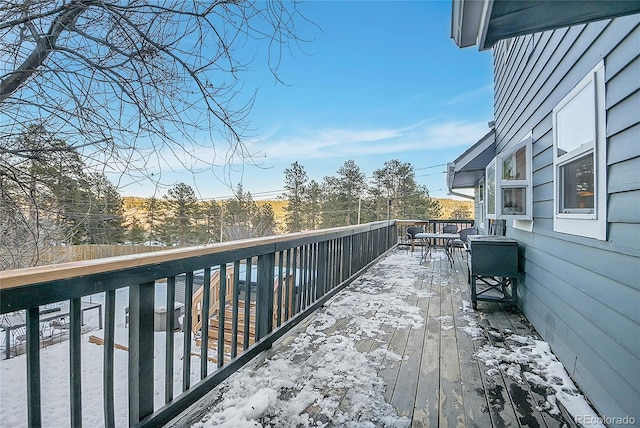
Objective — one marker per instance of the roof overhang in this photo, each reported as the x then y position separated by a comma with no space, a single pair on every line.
485,22
469,167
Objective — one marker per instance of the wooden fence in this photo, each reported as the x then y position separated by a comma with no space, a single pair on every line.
76,253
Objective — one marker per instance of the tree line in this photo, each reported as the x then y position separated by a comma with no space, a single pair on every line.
48,198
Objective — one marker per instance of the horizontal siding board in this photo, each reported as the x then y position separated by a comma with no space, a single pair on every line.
593,256
595,375
623,83
542,209
624,115
624,207
576,55
622,360
626,50
543,192
594,296
550,52
543,175
625,235
624,176
624,145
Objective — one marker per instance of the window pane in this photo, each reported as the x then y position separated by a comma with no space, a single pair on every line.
514,167
514,200
576,121
491,189
577,185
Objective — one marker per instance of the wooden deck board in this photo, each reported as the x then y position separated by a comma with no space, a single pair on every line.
440,381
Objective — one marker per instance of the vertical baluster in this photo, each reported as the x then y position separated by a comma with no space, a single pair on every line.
186,328
75,361
297,283
33,367
108,362
204,343
304,276
282,279
221,313
247,304
291,278
170,339
235,309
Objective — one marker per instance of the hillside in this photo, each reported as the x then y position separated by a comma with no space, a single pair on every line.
134,208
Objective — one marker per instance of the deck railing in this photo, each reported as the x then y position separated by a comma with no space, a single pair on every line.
314,266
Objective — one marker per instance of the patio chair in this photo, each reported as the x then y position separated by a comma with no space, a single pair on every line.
449,228
464,234
411,234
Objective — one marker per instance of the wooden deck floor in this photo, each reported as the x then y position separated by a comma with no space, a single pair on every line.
440,381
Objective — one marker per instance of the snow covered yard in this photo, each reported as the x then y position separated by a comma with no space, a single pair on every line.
400,345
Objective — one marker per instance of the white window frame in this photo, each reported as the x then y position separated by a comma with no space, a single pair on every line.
488,187
480,221
591,223
501,184
524,183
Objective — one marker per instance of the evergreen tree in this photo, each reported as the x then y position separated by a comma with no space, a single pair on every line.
342,195
395,184
178,224
243,218
154,209
135,231
104,225
295,180
209,230
312,205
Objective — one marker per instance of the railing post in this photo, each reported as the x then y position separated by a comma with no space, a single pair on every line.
141,299
264,295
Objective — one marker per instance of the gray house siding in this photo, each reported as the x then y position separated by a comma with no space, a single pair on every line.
581,294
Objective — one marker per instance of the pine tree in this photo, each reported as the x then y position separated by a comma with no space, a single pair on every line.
295,180
178,225
342,195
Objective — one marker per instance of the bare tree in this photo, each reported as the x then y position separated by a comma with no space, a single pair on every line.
126,86
122,80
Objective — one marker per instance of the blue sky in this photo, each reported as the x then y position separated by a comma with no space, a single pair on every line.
378,81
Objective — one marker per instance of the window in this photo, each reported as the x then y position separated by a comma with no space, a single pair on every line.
480,212
579,159
490,190
515,182
508,194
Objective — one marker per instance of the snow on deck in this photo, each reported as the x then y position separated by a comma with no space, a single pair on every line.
400,347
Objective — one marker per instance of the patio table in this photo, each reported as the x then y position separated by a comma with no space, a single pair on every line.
427,237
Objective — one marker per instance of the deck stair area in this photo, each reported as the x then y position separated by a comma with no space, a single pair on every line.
228,317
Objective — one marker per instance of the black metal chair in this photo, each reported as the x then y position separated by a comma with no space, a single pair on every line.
464,234
411,234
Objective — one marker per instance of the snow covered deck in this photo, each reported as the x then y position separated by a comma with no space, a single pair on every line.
400,347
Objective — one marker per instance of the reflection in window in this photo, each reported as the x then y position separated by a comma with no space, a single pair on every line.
491,189
514,167
514,200
577,185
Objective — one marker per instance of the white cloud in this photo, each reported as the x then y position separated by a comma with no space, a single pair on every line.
350,143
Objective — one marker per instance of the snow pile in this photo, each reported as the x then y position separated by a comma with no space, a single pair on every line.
472,328
526,359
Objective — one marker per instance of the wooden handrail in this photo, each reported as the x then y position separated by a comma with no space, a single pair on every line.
40,274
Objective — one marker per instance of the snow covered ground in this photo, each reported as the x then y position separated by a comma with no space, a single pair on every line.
318,376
